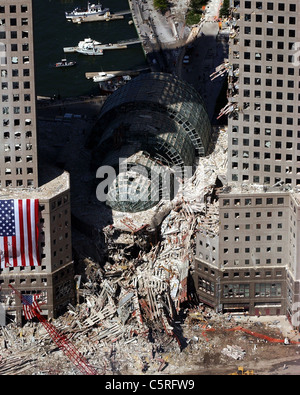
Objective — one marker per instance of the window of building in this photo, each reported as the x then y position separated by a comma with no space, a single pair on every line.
236,290
24,8
267,290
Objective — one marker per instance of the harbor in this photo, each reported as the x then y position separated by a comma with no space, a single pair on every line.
70,82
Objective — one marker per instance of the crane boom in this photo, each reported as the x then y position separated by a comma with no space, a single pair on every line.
61,341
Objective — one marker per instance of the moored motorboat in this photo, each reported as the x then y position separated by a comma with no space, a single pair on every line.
102,76
89,47
65,63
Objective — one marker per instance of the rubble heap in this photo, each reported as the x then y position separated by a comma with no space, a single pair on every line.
135,299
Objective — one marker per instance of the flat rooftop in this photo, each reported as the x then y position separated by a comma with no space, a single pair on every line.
47,191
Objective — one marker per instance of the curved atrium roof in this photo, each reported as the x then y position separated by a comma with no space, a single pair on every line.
158,116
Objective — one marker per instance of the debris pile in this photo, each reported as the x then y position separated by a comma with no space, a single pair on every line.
234,352
134,301
214,343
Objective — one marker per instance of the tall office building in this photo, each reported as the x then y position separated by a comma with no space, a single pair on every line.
264,87
35,218
251,262
18,161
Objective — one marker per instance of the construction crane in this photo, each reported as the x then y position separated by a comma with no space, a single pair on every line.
60,340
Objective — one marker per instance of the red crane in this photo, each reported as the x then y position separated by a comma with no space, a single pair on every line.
60,340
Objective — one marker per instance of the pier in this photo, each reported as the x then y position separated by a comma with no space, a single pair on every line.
104,47
98,47
118,73
108,16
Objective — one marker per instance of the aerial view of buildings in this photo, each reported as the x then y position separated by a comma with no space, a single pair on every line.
150,221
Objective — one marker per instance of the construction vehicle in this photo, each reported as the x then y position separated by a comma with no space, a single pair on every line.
59,339
241,372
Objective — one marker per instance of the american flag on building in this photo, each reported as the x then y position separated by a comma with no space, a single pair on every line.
29,304
19,233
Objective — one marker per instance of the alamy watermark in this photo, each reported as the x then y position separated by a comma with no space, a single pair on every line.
135,182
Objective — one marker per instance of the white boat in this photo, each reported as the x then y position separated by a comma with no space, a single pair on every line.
90,10
102,76
89,47
108,87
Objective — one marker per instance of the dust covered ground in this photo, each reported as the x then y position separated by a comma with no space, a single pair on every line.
29,350
203,355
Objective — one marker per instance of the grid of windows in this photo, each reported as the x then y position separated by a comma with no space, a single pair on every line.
265,84
17,97
253,230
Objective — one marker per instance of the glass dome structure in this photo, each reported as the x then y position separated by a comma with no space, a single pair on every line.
157,115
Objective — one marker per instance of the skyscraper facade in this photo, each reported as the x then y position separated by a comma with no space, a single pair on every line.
251,263
18,161
264,128
48,273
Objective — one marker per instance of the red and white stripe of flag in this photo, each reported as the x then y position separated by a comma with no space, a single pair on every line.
29,309
22,249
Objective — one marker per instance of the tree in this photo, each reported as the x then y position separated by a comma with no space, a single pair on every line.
224,11
195,12
162,5
196,5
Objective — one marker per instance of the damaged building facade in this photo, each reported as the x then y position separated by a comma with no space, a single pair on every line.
51,275
251,262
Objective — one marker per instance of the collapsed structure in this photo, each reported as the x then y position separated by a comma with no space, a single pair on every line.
146,279
155,122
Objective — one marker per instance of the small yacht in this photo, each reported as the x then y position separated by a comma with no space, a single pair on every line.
102,76
89,47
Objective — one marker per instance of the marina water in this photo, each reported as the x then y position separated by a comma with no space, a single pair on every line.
53,32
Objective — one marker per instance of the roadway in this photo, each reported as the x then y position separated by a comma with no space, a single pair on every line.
166,40
161,35
207,52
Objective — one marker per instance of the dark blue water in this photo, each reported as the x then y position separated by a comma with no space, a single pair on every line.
53,32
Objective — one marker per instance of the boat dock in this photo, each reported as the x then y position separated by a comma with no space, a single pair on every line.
105,47
117,73
97,18
101,47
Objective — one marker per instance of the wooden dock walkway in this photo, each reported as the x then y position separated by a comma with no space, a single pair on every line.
105,47
101,47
